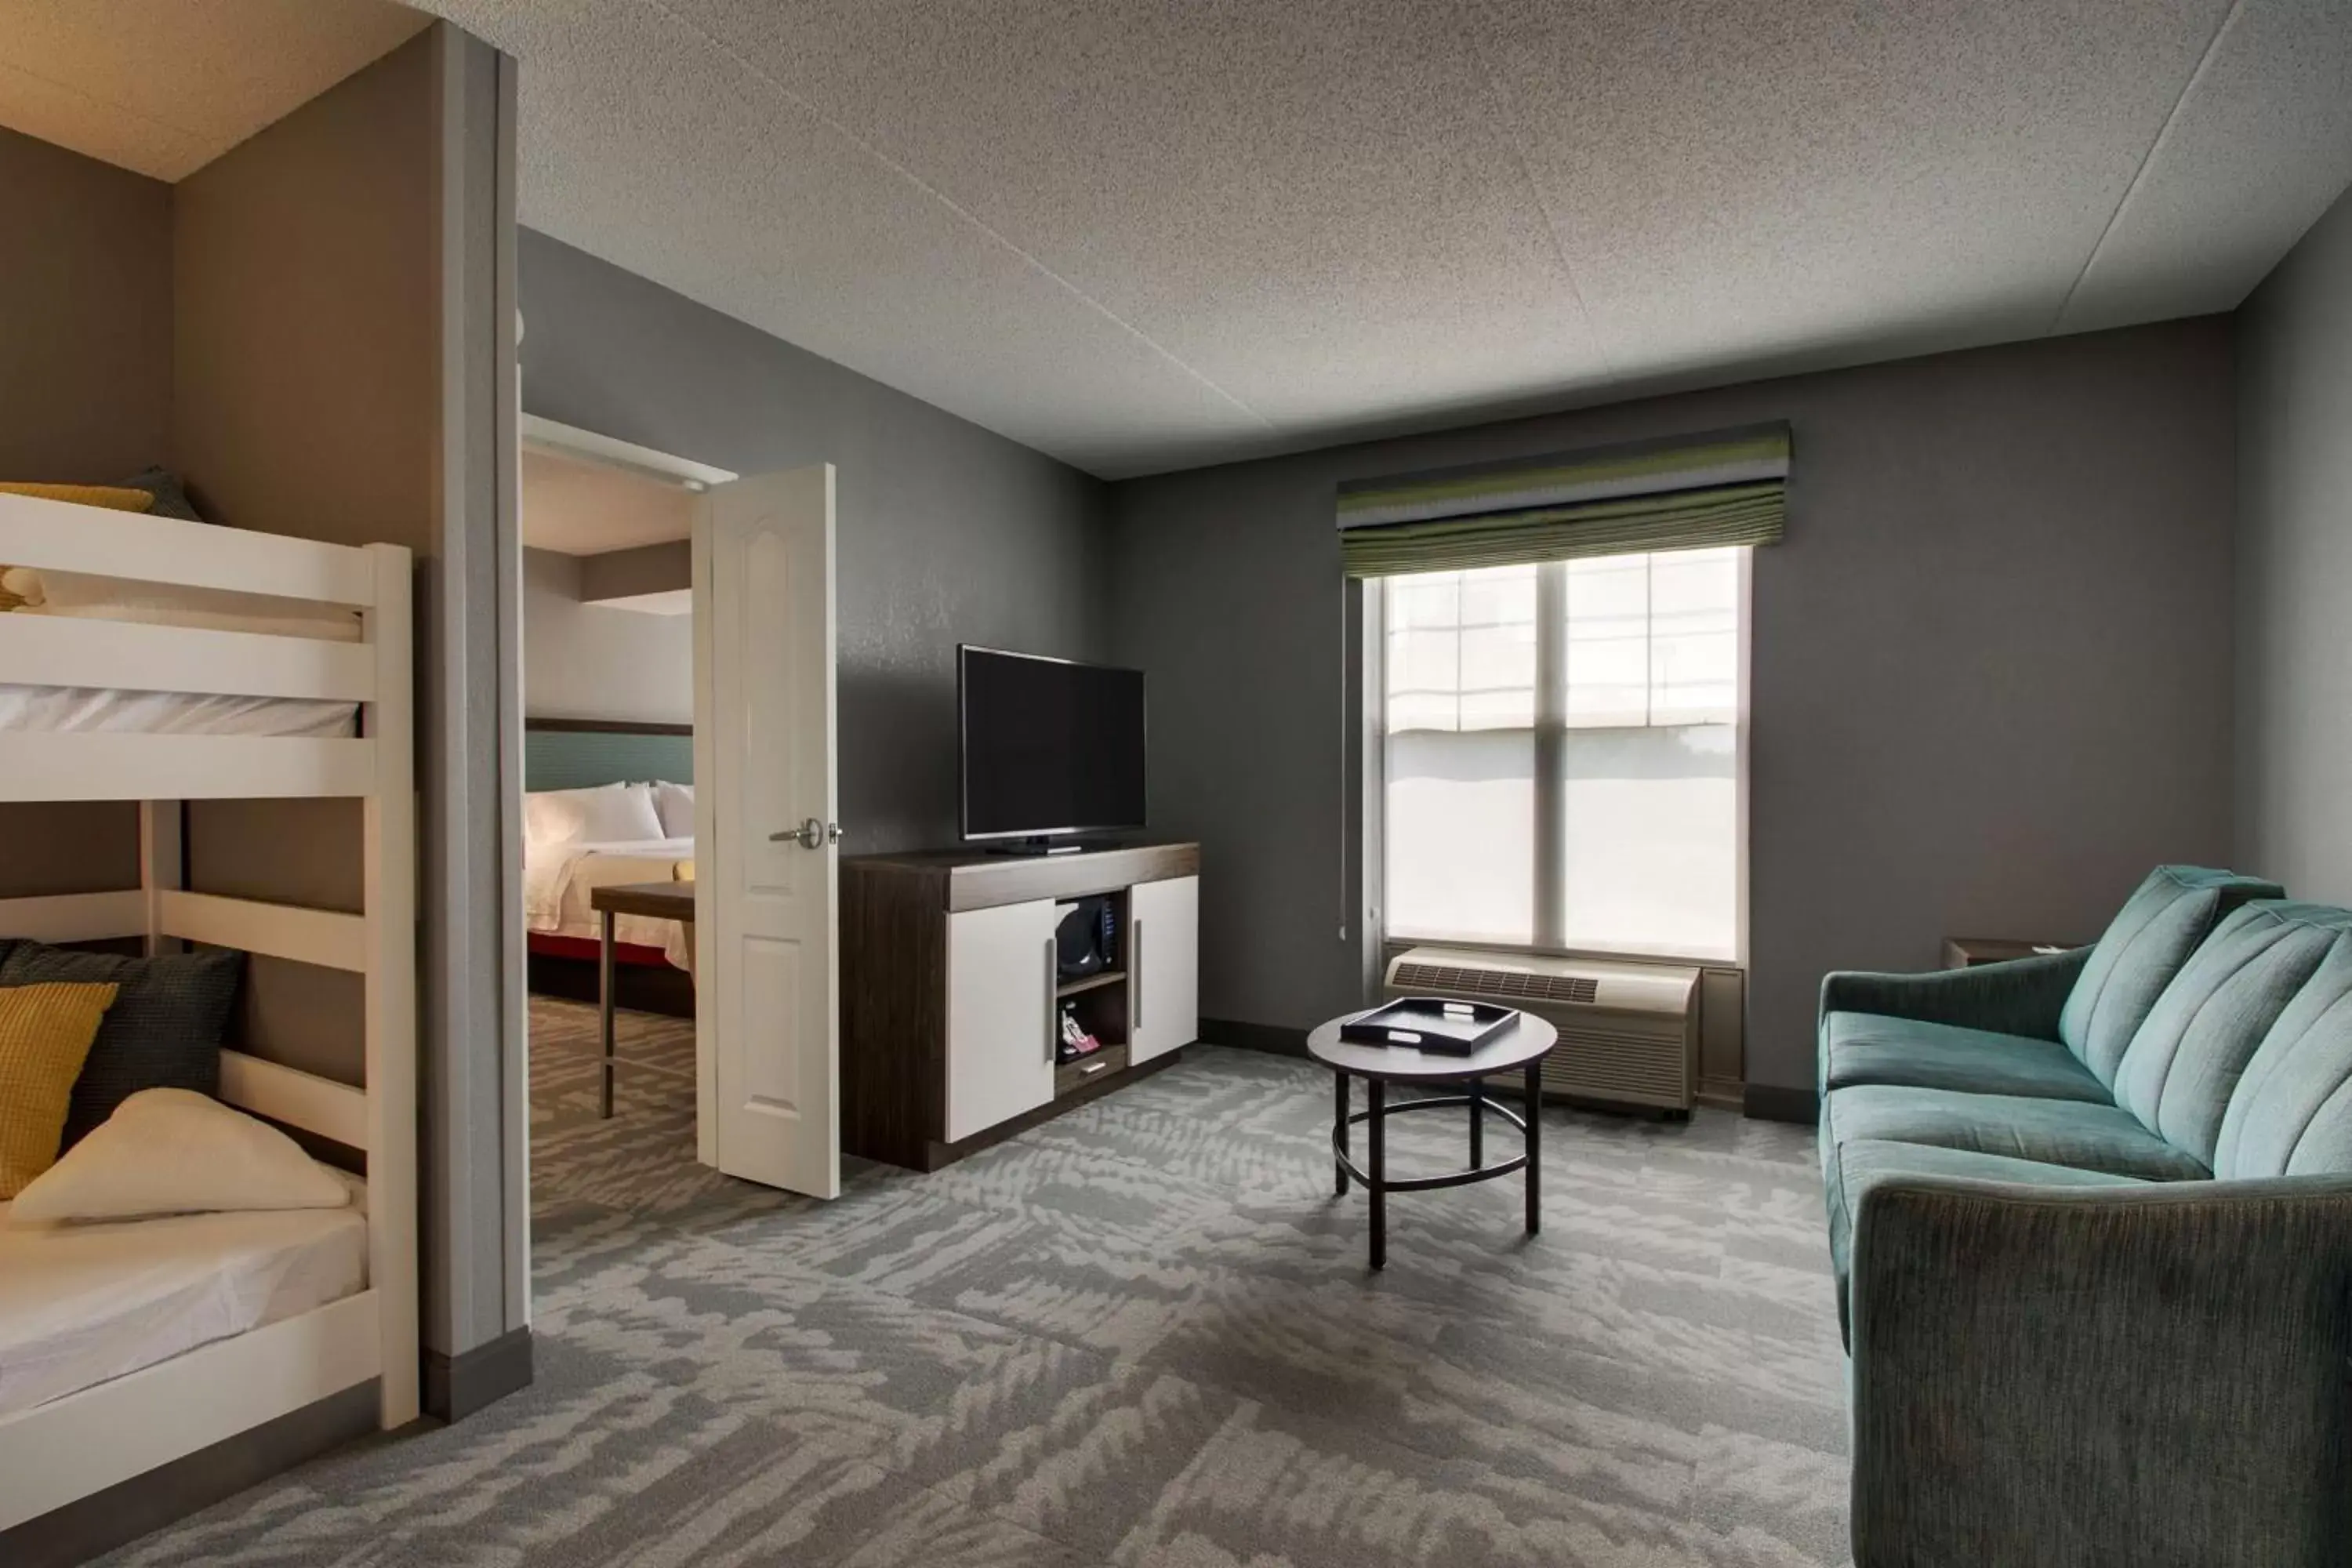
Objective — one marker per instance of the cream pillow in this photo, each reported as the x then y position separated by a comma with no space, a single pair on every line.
607,813
675,804
173,1151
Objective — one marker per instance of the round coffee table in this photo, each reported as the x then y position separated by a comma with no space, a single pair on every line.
1521,1046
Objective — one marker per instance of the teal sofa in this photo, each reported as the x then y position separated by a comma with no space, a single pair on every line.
2091,1223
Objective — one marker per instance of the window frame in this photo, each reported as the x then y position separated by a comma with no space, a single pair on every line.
1551,732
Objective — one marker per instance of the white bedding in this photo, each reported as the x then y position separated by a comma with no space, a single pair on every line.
558,879
83,708
81,1304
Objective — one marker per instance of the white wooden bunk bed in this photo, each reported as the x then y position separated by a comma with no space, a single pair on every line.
77,1444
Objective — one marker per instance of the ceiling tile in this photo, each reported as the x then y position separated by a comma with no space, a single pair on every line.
1316,204
2261,146
648,146
1737,182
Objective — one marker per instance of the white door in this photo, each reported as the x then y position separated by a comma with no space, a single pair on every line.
1163,940
766,1028
1001,979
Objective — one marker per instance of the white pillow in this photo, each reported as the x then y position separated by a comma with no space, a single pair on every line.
675,802
86,597
606,814
173,1151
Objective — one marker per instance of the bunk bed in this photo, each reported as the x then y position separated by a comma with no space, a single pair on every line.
147,723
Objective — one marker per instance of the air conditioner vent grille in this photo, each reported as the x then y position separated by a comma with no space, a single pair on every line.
1447,978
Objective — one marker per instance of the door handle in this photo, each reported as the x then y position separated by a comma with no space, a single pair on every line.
810,835
1135,968
1053,983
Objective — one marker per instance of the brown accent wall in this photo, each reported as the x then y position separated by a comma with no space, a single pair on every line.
85,398
306,401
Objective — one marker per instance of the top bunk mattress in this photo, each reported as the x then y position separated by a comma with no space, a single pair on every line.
81,1304
55,708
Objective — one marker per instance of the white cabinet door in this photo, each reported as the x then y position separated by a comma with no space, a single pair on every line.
1163,940
1001,977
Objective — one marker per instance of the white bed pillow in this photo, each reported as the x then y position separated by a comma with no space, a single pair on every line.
86,597
675,802
173,1151
606,814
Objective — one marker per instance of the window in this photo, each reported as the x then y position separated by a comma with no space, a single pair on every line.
1562,754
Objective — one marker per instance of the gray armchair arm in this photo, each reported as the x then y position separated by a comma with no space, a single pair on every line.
2021,997
2149,1375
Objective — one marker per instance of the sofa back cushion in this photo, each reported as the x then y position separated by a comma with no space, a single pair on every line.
2292,1112
2184,1063
2145,946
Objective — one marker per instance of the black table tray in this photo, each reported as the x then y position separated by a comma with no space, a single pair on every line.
1430,1024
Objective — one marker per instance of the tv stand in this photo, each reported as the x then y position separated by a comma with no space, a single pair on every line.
1037,844
952,995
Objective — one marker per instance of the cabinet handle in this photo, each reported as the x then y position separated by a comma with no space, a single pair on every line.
1135,967
1053,983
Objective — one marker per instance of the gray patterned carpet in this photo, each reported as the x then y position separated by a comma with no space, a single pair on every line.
1141,1334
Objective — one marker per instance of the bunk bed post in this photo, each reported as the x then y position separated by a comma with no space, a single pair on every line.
390,876
160,867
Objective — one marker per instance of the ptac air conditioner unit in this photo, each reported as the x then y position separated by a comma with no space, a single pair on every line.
1628,1032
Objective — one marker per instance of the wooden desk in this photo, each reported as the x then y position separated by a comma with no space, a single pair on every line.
1967,951
659,900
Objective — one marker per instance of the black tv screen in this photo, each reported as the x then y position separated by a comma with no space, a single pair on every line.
1049,746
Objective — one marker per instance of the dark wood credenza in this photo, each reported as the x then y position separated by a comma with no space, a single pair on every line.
950,1001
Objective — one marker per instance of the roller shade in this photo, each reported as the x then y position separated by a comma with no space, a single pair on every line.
1690,493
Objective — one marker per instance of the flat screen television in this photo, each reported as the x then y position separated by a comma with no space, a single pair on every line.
1050,746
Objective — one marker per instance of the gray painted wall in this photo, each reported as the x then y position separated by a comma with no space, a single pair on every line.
1991,664
2295,567
945,532
587,661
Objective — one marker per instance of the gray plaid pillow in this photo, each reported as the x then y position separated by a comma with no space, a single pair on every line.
163,1031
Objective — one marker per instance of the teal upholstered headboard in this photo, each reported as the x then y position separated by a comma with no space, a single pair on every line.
573,754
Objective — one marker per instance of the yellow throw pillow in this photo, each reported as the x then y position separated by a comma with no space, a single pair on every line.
45,1033
114,498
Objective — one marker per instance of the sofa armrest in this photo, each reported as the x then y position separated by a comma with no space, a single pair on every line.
2021,996
2153,1375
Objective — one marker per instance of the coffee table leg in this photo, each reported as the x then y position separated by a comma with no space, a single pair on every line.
1339,1132
1535,1146
1378,1175
1477,1122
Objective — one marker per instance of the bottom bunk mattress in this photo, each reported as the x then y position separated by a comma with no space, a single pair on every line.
85,710
81,1304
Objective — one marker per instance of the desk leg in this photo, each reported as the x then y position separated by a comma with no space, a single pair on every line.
1534,1145
1477,1122
1378,1175
1339,1132
604,1007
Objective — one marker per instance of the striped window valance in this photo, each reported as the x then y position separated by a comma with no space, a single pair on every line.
1688,493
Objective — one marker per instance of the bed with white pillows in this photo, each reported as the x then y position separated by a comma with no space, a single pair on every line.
179,1222
576,840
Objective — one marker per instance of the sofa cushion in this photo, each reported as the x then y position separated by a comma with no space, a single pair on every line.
2177,1074
2143,948
2055,1131
1854,1168
2291,1114
1869,1047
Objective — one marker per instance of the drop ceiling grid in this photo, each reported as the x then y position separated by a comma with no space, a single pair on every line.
1780,176
646,145
1265,190
1119,230
2259,148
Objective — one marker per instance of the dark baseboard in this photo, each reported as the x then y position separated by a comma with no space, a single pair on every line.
1770,1102
1272,1038
169,1492
456,1386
